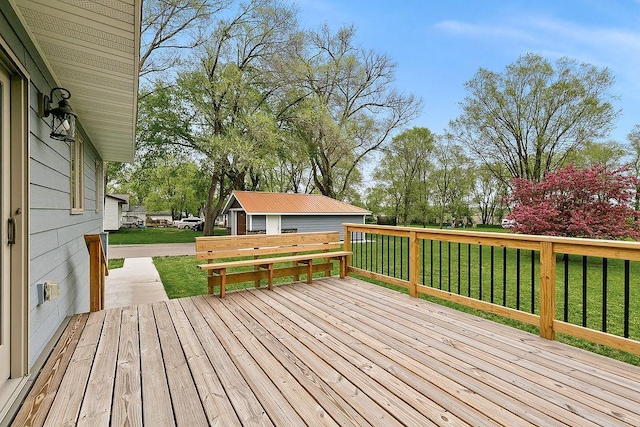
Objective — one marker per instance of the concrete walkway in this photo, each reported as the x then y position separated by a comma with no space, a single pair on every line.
157,249
137,282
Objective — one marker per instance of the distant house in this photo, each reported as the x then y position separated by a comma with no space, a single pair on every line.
68,102
112,212
251,212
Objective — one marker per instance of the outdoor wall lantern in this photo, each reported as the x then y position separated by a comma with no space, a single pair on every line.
63,122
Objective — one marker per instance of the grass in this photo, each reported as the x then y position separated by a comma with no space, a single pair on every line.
115,263
138,236
182,279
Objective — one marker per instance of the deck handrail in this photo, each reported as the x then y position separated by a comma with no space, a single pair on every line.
98,269
547,248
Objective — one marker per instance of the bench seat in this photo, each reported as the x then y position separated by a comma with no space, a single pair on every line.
298,244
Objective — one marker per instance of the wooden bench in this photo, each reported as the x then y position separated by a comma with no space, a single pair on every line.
265,251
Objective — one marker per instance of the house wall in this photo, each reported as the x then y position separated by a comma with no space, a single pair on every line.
258,223
57,248
307,223
112,214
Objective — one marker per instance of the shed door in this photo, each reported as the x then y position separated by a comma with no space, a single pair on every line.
5,213
241,223
273,224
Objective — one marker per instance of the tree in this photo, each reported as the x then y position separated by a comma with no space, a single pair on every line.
634,150
348,107
219,108
450,179
609,153
402,168
592,202
488,192
170,27
530,117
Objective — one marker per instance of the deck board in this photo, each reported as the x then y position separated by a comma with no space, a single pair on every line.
337,352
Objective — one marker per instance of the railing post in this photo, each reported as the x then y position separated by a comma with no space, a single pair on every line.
414,256
347,247
97,271
547,290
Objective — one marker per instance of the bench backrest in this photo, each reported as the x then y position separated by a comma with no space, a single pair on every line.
258,245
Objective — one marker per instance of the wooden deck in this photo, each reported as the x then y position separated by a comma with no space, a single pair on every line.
337,352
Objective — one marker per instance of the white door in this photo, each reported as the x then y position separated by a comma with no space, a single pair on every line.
5,213
273,224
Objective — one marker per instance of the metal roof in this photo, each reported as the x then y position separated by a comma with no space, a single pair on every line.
254,203
92,48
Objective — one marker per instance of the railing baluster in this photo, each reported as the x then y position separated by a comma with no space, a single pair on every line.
401,256
480,272
382,252
469,269
584,290
449,266
533,282
388,252
517,279
422,244
504,276
431,263
459,268
440,265
565,260
394,256
626,298
491,281
605,264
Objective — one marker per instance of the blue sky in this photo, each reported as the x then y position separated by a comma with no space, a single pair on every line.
439,45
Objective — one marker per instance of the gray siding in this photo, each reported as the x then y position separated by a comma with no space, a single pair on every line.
57,248
307,223
258,223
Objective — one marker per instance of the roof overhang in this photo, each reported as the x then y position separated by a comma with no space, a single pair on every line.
92,48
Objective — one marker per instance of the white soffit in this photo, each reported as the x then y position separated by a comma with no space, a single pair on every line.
92,48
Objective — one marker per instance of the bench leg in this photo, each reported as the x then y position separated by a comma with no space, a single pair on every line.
343,266
210,281
223,282
310,271
270,277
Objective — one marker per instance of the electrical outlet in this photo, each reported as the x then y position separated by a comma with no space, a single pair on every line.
51,290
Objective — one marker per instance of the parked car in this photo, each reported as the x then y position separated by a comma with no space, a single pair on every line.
508,223
191,223
130,221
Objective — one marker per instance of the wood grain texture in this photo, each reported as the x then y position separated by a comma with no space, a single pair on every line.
337,352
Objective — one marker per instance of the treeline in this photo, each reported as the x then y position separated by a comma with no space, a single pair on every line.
236,96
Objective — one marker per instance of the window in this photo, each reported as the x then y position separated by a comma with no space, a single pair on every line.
77,175
99,166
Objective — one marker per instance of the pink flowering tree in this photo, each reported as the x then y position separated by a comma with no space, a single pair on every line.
593,202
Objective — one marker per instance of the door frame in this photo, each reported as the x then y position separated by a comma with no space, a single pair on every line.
275,220
19,200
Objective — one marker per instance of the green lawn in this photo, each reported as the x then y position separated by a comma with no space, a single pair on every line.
181,278
138,236
115,263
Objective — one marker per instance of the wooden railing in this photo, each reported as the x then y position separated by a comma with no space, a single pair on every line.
97,271
579,287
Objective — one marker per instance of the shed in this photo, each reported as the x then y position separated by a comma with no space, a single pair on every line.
112,212
250,212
